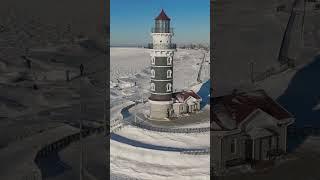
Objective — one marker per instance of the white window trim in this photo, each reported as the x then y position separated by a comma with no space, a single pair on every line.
169,87
152,87
153,60
169,73
169,60
153,73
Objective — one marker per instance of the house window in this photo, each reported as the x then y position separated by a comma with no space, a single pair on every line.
153,60
153,73
233,146
153,87
169,60
169,87
169,73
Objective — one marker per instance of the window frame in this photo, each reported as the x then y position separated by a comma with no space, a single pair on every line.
153,60
169,87
233,146
152,87
169,60
153,73
169,71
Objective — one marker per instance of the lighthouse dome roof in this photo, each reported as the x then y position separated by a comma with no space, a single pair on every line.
162,16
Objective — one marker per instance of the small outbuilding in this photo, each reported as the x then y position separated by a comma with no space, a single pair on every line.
186,102
248,127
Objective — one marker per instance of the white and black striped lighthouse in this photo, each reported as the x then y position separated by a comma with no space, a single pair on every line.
162,51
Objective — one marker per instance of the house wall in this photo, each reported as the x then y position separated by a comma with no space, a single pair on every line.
216,150
176,108
198,105
227,155
261,148
283,138
221,146
180,108
267,144
194,104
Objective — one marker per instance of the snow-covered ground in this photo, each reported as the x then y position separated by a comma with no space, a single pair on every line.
152,164
130,80
277,84
167,139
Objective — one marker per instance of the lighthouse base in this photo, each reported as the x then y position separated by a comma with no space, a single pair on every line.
160,110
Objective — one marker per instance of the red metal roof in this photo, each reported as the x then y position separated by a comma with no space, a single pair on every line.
184,95
240,105
162,16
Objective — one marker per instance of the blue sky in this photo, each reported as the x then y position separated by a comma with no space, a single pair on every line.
132,20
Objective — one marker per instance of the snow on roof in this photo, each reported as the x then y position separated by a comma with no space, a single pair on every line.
162,16
259,133
215,126
184,95
223,118
238,106
236,101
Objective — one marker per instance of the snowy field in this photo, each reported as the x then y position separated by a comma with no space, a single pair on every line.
276,85
132,65
151,164
130,80
167,139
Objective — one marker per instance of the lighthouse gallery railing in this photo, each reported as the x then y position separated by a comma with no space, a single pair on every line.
162,46
162,30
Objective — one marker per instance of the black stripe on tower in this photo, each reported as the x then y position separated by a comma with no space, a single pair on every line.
155,97
161,79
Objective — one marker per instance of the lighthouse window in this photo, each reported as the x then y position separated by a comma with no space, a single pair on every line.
153,88
169,60
152,73
169,87
153,60
169,74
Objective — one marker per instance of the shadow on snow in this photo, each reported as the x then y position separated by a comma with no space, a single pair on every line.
51,165
301,96
135,143
204,93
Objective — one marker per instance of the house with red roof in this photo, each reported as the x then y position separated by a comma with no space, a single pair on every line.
248,127
186,102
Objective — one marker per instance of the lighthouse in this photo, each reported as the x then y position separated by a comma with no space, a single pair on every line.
161,84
